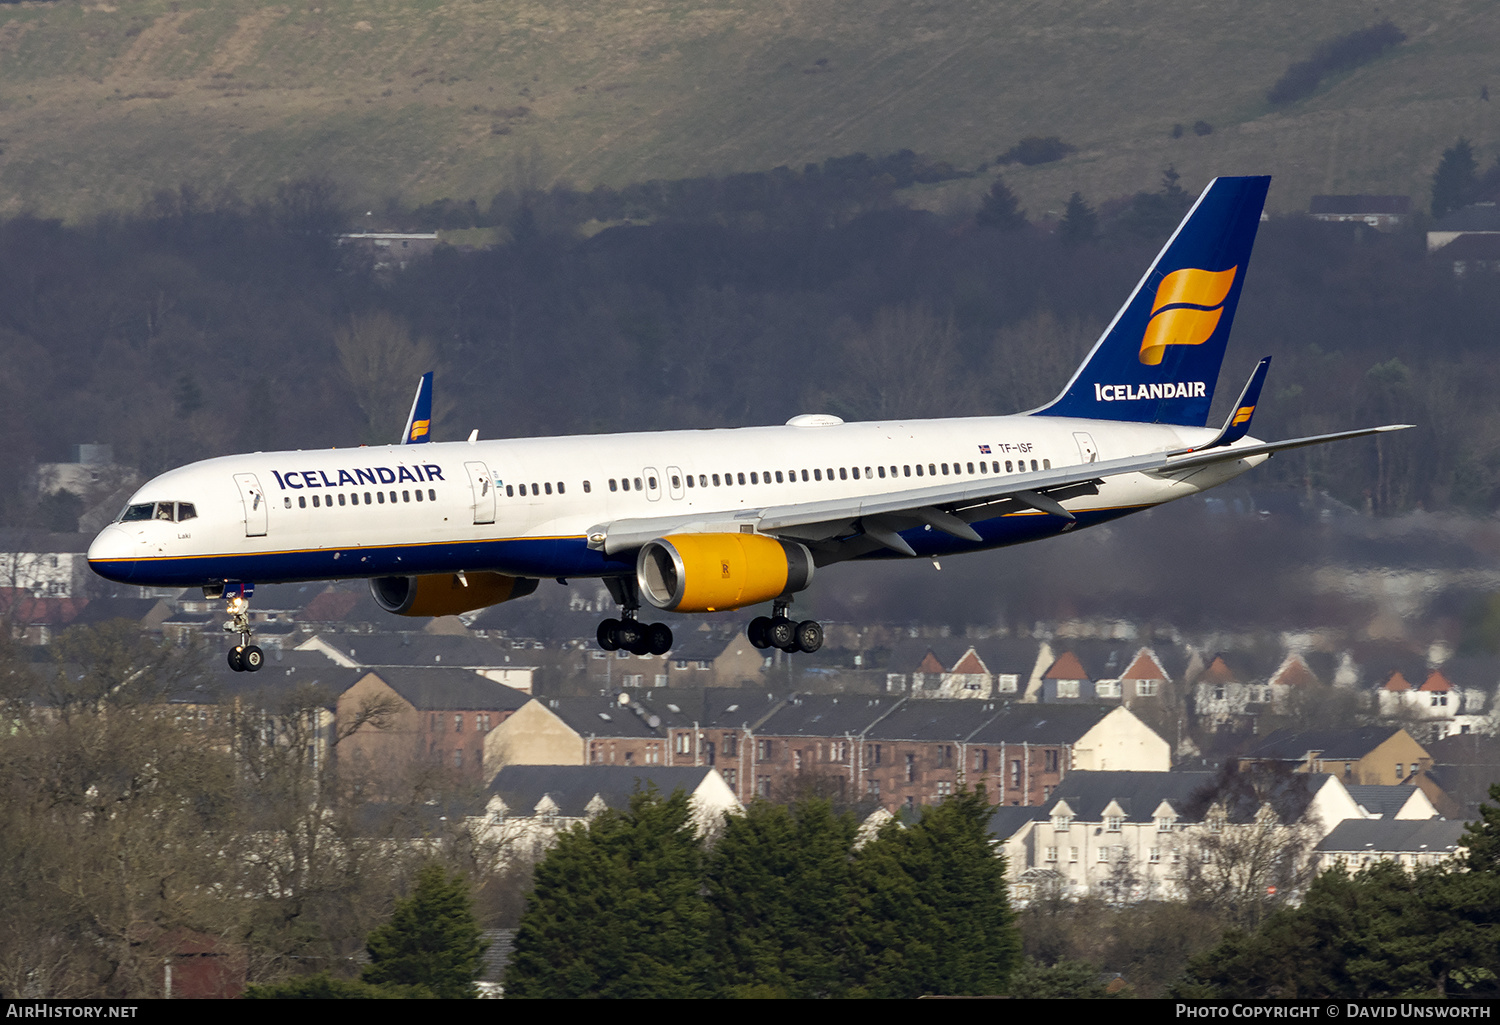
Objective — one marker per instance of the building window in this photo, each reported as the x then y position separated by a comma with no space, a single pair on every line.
1073,855
458,758
458,722
1061,822
911,768
1155,856
763,750
1145,688
1051,853
1015,773
763,786
1007,683
731,745
1103,855
684,743
944,788
1049,761
982,760
1067,688
1114,823
1164,824
731,777
872,787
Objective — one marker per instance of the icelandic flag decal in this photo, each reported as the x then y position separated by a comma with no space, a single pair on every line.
984,450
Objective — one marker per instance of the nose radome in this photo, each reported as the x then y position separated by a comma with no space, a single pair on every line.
110,552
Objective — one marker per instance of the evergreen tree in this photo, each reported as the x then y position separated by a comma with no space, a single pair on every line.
933,913
617,909
1482,836
1000,209
779,882
432,939
1080,224
1455,182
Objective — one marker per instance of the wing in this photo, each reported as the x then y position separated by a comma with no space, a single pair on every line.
838,529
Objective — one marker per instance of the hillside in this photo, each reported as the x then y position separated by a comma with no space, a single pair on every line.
100,103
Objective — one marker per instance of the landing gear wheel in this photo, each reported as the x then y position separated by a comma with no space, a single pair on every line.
658,638
237,659
631,636
252,658
782,634
809,636
608,635
758,631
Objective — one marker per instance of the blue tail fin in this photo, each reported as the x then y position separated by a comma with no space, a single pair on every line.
1158,360
419,420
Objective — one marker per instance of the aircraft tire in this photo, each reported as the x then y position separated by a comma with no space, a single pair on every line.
630,635
809,636
659,638
758,630
782,633
236,659
608,635
253,658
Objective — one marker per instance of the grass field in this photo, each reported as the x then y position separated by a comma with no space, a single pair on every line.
100,103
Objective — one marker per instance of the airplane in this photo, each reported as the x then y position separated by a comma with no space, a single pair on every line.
713,520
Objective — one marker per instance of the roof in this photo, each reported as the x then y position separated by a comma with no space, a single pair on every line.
605,716
1385,801
1039,724
102,610
1477,217
1483,246
1360,204
433,689
1403,836
934,720
414,649
824,715
1436,682
573,787
736,707
1349,744
1138,794
1008,819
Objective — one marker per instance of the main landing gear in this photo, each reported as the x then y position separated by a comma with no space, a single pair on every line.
627,633
778,631
244,657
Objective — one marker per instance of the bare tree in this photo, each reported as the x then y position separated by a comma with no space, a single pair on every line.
383,364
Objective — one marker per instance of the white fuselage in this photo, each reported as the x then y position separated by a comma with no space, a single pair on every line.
526,507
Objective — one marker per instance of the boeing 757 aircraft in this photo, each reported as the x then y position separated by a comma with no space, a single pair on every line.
703,521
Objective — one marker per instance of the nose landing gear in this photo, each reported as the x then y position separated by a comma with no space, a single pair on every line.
243,657
779,631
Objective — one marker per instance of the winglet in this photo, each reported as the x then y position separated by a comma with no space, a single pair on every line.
419,421
1238,423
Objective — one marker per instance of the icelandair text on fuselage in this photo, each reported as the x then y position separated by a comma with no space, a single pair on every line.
299,479
68,1011
1132,392
1407,1009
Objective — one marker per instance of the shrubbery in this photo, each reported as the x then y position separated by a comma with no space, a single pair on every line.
1329,58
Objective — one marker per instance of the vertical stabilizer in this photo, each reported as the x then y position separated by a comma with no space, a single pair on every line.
1159,359
419,420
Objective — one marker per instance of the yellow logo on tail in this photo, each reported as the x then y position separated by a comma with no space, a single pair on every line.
1242,415
419,428
1188,305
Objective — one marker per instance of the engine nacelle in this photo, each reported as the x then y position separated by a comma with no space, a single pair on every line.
445,594
714,572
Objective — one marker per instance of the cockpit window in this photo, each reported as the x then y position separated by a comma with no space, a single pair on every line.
168,511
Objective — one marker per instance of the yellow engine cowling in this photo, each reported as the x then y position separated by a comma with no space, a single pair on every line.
445,594
713,572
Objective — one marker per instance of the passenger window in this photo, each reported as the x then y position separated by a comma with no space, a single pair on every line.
868,474
919,469
690,482
716,480
971,467
778,477
741,477
703,480
406,496
676,482
367,498
817,474
341,498
1046,464
638,483
855,471
1033,464
587,489
301,501
804,476
945,469
843,473
393,498
288,501
548,486
932,469
560,488
418,493
510,491
753,478
432,494
1007,466
315,502
906,471
882,472
612,486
